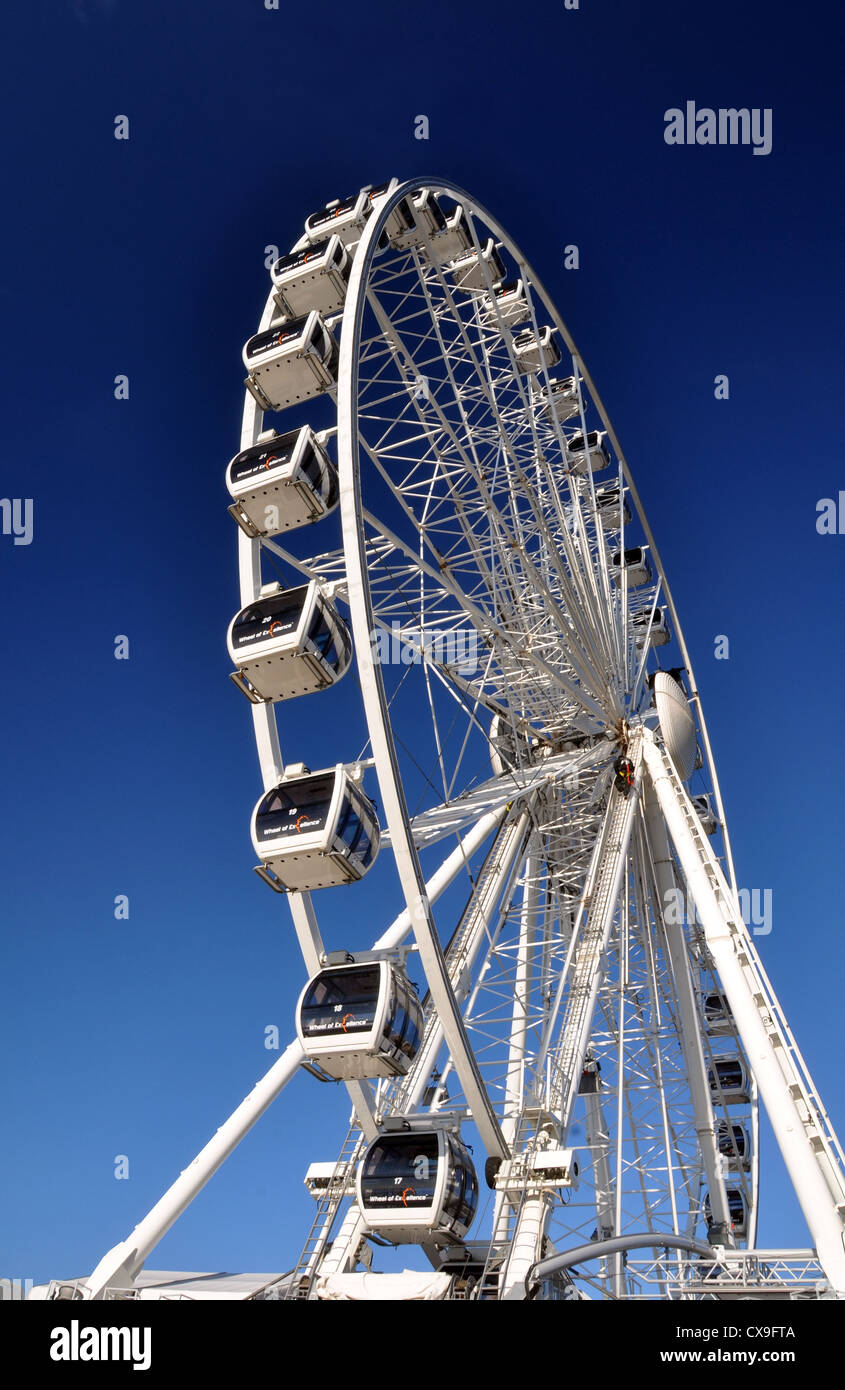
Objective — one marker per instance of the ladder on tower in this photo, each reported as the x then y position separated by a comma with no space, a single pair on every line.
299,1282
590,962
819,1131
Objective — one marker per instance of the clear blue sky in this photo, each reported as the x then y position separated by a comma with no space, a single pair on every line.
146,257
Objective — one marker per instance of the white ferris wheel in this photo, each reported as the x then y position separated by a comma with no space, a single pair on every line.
556,1040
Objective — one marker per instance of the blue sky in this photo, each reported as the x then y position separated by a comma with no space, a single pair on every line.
146,257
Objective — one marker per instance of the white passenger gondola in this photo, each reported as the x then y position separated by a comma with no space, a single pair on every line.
428,212
637,567
401,220
728,1080
703,807
738,1208
532,353
291,362
360,1020
288,642
283,481
561,400
718,1019
609,508
418,1184
313,278
453,238
343,217
592,456
654,627
734,1144
427,219
314,830
473,270
507,306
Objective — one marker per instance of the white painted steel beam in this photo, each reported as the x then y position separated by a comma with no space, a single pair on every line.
118,1267
688,1014
809,1169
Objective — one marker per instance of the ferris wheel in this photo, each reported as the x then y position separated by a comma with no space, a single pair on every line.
556,1040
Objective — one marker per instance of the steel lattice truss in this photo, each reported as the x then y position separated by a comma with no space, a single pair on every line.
503,642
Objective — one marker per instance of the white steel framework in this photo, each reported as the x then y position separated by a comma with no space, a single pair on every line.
505,648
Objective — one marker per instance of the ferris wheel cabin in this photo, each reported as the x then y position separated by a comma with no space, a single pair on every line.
360,1021
401,220
291,642
653,628
428,212
425,219
728,1081
468,270
283,481
637,567
453,238
534,353
313,278
347,217
612,510
343,217
507,306
734,1144
416,1184
291,362
718,1019
591,456
561,398
314,830
703,807
738,1209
